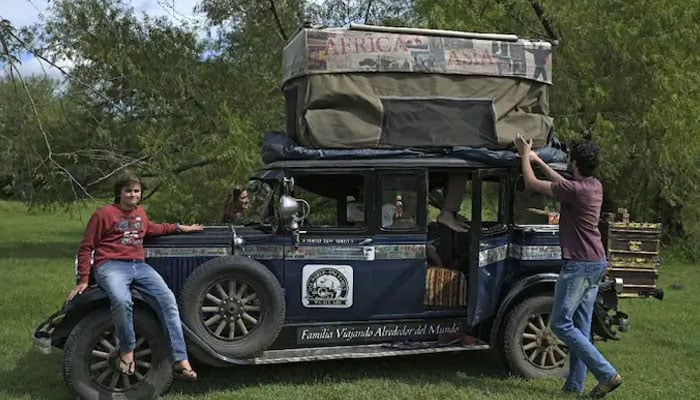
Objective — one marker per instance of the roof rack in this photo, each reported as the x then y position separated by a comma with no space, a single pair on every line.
436,32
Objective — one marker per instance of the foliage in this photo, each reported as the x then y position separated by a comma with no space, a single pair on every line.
188,112
625,75
142,97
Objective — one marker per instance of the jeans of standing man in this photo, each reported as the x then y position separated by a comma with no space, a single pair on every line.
574,299
117,278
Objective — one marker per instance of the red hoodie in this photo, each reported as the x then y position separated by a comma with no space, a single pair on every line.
115,234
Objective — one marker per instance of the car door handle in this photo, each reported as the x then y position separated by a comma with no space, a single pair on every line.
365,242
369,253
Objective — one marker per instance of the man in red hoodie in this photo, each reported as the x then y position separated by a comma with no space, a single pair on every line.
112,247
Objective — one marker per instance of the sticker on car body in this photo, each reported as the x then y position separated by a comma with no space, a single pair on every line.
327,286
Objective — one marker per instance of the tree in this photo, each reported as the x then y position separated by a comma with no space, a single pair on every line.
625,75
188,113
144,97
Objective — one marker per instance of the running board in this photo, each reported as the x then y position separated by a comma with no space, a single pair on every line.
360,351
449,343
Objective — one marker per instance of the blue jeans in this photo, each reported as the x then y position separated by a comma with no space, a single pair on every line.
117,278
574,299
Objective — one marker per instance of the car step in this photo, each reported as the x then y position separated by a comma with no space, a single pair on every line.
361,351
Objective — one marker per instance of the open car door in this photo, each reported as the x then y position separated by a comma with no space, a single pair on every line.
489,239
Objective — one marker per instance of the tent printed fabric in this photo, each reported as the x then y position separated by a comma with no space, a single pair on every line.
364,89
335,50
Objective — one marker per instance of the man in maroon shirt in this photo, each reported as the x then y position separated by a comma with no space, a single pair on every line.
112,249
584,261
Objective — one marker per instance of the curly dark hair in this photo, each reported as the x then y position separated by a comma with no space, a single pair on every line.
586,154
126,180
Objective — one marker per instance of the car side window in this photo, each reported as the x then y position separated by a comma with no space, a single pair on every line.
532,208
490,201
336,200
399,195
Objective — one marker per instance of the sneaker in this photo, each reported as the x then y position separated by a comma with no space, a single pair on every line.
605,387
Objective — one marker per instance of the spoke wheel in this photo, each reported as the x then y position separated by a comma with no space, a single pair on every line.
540,346
235,305
103,359
231,309
91,353
529,346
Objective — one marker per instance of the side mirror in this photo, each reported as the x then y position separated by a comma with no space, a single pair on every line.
289,206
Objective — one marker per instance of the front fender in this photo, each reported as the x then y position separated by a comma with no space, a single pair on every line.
545,280
60,324
602,321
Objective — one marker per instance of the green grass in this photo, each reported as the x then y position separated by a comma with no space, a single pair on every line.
658,358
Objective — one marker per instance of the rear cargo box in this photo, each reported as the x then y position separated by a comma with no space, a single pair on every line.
633,255
384,88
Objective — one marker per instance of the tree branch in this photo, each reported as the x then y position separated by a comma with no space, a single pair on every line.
6,49
187,167
178,170
105,177
45,135
64,72
544,19
282,33
369,6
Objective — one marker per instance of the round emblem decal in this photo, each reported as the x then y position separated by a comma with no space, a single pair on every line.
327,286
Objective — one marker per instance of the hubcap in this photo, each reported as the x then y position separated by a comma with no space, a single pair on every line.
230,309
540,346
103,363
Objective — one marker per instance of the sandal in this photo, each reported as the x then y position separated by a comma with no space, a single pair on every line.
186,374
125,367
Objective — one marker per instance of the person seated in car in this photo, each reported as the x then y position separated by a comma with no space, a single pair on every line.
451,203
236,206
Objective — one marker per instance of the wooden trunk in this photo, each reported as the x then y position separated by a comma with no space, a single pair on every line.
633,255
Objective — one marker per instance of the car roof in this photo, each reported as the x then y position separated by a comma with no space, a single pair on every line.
394,162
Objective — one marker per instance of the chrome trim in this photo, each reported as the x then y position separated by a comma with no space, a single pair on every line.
619,285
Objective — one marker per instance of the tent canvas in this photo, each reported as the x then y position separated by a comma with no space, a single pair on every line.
348,88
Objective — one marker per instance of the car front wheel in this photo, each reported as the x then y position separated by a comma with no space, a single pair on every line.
90,359
530,347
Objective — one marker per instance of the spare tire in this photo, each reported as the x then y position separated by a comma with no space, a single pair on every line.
235,305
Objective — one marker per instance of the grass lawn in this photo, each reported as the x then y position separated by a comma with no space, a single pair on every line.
659,358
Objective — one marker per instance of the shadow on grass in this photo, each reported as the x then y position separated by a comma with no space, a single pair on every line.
456,369
34,376
38,377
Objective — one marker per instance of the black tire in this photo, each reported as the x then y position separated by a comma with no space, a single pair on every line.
90,354
235,305
202,356
529,346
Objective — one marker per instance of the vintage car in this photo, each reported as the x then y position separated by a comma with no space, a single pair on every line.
326,267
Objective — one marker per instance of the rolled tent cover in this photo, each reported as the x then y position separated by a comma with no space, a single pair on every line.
387,88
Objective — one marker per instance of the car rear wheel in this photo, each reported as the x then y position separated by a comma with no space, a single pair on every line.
90,357
530,347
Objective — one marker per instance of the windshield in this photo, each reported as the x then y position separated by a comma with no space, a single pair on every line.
260,194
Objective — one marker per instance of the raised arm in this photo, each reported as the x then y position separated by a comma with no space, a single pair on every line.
551,174
531,181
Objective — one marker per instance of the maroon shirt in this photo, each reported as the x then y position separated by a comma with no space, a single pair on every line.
115,234
578,223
